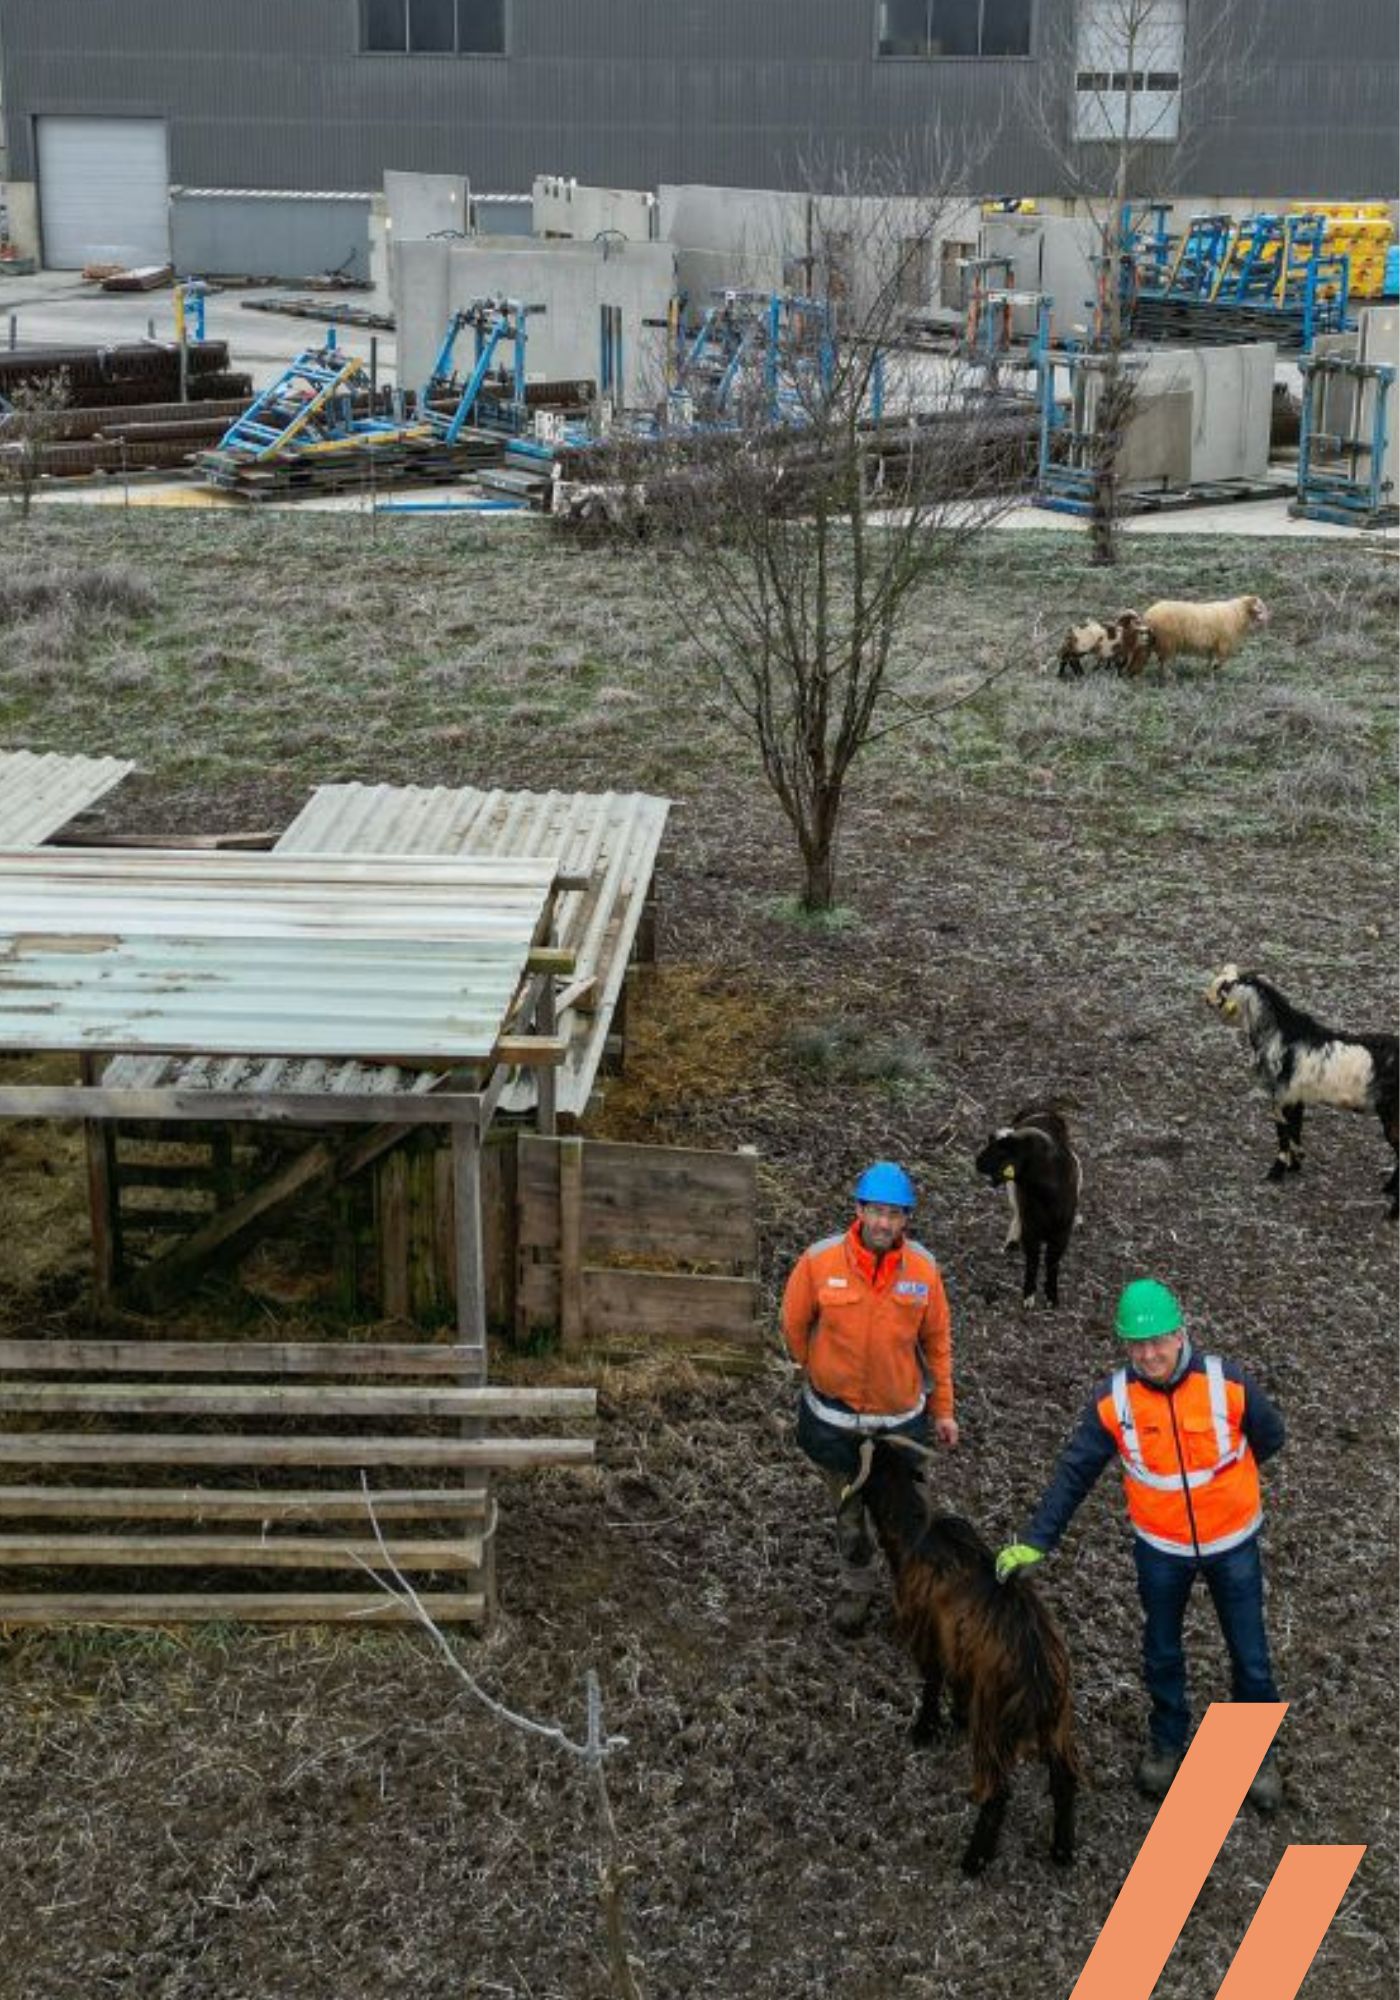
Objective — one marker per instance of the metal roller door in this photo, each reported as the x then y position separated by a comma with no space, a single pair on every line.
104,191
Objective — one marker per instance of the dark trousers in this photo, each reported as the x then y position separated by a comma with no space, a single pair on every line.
1235,1581
838,1451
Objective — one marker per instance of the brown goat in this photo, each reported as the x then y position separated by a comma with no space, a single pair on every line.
995,1645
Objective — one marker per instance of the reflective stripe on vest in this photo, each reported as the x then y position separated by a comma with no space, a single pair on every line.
1170,1482
1216,1547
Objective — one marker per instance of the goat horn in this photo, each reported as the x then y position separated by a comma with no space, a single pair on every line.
912,1444
867,1459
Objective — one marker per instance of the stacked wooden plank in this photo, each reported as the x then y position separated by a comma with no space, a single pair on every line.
222,1480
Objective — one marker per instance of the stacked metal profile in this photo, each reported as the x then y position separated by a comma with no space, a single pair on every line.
120,410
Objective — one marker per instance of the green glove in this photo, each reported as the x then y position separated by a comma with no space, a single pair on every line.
1016,1555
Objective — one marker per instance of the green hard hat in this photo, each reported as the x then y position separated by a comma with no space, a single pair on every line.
1146,1311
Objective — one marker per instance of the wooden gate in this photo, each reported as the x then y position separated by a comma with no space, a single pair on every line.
635,1242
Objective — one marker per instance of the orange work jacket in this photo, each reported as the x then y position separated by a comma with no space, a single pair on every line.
873,1338
1190,1477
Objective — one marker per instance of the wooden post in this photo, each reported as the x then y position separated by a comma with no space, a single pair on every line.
471,1276
471,1320
500,1235
570,1243
392,1190
100,1143
546,1079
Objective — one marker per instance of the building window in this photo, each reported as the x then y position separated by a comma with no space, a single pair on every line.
433,27
1127,81
955,27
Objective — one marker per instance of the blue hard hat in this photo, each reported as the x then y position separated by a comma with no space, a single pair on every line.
887,1184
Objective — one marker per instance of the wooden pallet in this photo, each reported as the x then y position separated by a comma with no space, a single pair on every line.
235,1467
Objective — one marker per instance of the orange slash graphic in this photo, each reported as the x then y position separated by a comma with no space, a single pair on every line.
1177,1855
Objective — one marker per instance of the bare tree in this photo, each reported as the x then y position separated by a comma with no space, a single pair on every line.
1116,101
800,536
26,427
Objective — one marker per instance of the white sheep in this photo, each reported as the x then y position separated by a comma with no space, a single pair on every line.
1213,631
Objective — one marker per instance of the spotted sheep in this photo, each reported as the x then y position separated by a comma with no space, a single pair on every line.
1302,1062
1032,1158
1123,644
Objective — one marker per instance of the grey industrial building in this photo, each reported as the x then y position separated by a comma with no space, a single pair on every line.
106,104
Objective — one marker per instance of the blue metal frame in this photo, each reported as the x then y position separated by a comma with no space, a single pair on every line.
1356,494
1277,266
493,321
312,397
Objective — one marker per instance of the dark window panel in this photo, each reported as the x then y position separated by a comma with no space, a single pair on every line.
953,27
384,25
432,28
904,28
1094,79
481,27
1163,79
1006,27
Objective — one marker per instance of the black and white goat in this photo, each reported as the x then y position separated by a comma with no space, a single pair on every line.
1303,1063
1035,1162
993,1646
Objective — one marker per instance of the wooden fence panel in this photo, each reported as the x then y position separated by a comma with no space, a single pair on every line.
254,1449
582,1206
644,1201
672,1306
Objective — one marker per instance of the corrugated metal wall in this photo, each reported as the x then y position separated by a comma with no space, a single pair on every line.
275,93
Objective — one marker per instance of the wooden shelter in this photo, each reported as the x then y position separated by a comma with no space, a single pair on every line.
402,961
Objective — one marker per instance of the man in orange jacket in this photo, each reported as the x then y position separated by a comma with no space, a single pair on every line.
1190,1432
865,1317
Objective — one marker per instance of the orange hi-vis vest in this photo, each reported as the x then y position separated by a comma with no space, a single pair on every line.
873,1337
1191,1480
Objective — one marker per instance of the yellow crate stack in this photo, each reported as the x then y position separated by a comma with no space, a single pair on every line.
1362,229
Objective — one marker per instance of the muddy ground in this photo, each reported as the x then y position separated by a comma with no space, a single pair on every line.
1035,891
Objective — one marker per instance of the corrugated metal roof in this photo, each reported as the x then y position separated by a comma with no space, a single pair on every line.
39,793
417,959
612,837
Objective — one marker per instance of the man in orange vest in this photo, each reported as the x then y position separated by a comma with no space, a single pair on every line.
865,1317
1191,1432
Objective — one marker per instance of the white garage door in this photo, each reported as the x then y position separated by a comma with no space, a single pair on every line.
104,191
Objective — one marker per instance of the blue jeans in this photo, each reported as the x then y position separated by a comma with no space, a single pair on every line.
1235,1581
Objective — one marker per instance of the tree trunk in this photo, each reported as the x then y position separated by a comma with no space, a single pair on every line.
819,878
818,842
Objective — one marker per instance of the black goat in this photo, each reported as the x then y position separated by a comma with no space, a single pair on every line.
1035,1162
1303,1063
995,1645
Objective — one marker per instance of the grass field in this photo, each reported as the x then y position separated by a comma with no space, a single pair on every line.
1034,888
